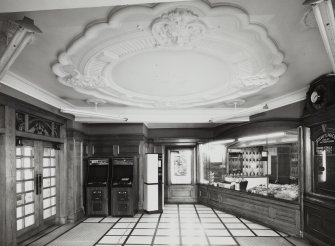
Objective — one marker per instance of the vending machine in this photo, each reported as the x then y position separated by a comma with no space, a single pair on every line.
153,183
97,187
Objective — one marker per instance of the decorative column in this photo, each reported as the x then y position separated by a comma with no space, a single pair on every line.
14,37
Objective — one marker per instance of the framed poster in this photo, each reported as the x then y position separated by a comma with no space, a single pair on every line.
181,166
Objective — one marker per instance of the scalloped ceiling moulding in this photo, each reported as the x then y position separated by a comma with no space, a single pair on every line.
175,55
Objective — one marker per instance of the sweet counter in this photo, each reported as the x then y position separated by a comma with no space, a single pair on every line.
280,214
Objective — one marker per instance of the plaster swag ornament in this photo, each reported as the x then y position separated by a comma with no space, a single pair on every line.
180,27
172,55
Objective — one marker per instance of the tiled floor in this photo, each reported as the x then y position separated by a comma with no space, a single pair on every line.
179,224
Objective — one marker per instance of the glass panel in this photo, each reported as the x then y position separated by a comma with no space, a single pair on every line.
19,200
28,174
180,166
53,201
18,187
29,197
53,210
18,151
46,192
18,163
53,172
53,153
28,209
46,152
46,183
19,224
53,182
18,175
26,162
28,185
27,151
30,220
53,191
53,162
46,162
47,213
46,203
46,172
19,212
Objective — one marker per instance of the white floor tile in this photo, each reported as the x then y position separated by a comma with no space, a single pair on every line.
192,232
155,219
167,220
143,232
168,225
113,240
256,226
266,233
194,240
243,233
230,220
215,220
128,220
235,226
118,232
150,215
93,220
124,225
146,225
166,240
220,233
221,241
212,215
139,240
167,232
109,220
213,225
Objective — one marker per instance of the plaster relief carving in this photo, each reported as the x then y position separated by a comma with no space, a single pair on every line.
174,56
179,27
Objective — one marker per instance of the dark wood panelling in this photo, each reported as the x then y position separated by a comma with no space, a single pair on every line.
277,214
182,193
199,133
319,220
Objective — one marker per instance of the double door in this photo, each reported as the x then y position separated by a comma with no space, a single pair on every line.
36,187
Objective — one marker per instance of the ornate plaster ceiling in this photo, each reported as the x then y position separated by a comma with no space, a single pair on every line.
174,55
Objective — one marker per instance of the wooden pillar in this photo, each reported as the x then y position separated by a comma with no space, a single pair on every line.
7,177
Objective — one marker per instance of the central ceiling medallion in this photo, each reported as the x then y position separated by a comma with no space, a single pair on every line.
174,55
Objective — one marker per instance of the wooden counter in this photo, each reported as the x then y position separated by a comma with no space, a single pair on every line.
280,215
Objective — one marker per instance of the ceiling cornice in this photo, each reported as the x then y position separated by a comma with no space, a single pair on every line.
7,6
23,85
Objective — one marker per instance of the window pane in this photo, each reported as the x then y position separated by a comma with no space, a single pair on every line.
46,172
28,185
18,175
19,200
53,210
46,162
18,151
19,224
29,197
46,192
27,162
46,183
46,213
52,152
53,162
53,182
53,172
28,209
46,152
28,151
18,187
28,174
53,201
46,203
19,212
53,191
30,220
18,163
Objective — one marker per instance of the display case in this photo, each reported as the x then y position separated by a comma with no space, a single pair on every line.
265,164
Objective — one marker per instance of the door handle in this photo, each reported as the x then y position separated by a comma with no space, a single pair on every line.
38,183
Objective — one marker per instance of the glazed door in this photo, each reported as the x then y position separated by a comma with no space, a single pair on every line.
36,189
181,175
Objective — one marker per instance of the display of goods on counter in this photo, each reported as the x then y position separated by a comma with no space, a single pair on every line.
282,191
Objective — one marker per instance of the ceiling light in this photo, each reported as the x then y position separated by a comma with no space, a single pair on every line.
324,15
83,113
224,141
256,137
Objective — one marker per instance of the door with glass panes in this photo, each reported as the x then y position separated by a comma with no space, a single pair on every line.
36,186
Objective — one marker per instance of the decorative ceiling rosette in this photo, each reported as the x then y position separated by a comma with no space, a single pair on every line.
174,55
